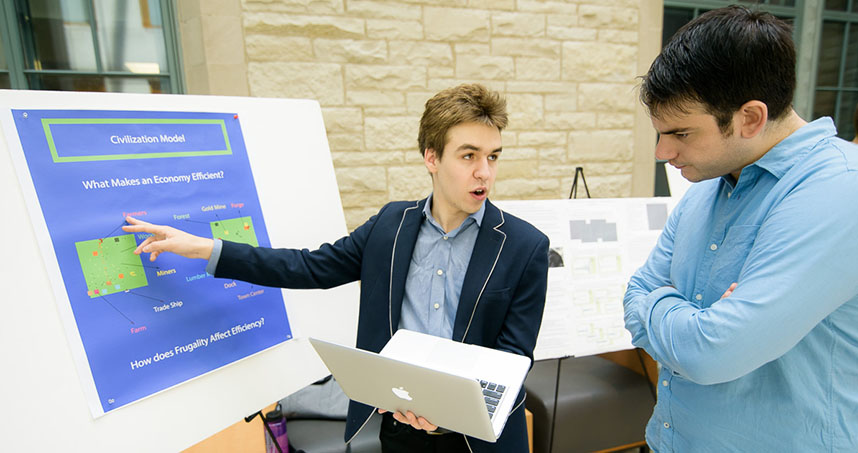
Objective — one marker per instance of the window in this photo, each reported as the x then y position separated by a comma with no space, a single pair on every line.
836,93
89,45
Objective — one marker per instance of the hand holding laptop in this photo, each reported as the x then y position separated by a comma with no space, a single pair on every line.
410,419
460,387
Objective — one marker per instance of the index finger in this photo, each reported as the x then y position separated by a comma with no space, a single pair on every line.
137,226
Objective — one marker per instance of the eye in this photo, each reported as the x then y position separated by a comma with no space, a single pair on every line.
468,156
681,134
493,157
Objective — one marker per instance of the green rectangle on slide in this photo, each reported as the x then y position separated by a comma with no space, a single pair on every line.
104,139
239,229
110,266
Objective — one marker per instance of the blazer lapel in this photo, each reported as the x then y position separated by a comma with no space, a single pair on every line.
403,247
487,250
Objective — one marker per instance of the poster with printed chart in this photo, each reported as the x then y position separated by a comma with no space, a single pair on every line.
147,326
596,246
110,266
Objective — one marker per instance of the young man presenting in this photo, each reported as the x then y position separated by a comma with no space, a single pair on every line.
451,265
749,301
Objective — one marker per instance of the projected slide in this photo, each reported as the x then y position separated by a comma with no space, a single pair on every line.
147,326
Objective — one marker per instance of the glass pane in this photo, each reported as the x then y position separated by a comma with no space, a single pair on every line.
674,19
846,115
59,35
830,46
99,83
850,69
4,80
835,5
130,36
823,104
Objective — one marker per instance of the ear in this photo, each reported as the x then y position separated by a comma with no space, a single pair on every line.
752,118
430,159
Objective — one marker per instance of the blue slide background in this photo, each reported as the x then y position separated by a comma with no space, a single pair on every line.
124,328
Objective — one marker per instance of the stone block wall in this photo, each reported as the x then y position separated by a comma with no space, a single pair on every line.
567,69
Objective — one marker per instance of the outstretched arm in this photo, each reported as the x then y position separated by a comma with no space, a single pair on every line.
168,239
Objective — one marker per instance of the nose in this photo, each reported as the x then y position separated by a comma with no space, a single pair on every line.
482,169
663,150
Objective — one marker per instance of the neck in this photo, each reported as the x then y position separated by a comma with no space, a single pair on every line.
774,133
448,221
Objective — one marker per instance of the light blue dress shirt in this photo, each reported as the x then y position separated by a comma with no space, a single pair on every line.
773,367
436,273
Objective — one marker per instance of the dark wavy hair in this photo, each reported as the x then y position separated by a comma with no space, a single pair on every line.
723,59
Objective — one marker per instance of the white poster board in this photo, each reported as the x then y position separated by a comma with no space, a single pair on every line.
44,404
596,246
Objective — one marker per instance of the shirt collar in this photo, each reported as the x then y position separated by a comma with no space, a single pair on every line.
477,216
781,158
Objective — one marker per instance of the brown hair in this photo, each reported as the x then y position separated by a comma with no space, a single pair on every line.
467,103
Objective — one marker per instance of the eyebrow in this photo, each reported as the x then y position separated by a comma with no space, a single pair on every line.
470,147
674,131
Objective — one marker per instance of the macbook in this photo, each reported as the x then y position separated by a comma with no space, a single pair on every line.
464,388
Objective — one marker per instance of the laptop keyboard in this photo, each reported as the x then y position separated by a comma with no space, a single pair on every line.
492,393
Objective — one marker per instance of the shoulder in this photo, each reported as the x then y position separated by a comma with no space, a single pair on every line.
839,155
395,209
514,227
829,171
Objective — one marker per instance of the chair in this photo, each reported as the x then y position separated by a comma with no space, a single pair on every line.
326,436
316,421
601,406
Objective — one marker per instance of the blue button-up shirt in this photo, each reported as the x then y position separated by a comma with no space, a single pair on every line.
436,273
773,367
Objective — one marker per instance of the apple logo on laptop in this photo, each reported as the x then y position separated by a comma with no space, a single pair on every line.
401,393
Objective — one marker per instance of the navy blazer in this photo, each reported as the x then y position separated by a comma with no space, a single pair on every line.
501,304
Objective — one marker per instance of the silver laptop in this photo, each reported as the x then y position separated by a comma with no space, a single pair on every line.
464,388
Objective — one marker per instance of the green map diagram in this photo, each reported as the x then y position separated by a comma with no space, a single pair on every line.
239,229
110,265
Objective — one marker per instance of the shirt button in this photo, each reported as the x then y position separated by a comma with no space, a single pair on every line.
440,272
666,425
445,238
713,247
699,297
437,306
664,382
729,193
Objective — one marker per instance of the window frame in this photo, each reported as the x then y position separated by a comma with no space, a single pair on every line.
14,50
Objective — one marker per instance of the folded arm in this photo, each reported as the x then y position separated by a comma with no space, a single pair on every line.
799,269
